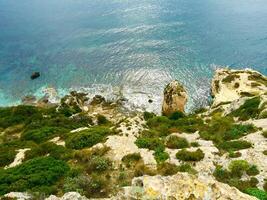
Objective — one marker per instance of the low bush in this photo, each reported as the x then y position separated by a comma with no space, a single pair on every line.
54,150
195,144
264,134
238,167
260,194
238,130
249,110
87,138
160,155
234,145
187,168
43,134
93,186
39,174
131,159
98,164
148,115
175,142
149,143
167,169
233,154
185,155
176,115
7,156
102,120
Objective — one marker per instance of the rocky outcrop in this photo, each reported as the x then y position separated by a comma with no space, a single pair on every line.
181,186
75,101
230,85
175,98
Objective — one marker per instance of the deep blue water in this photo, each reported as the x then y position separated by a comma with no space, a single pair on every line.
138,45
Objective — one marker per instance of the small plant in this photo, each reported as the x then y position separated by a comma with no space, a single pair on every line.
238,167
233,154
167,169
102,120
131,159
175,142
264,134
234,145
185,155
149,143
98,164
160,155
148,115
195,144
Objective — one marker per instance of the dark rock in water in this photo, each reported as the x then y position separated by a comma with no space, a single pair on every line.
28,100
98,99
35,75
150,101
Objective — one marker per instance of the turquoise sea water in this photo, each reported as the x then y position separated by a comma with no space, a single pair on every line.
132,47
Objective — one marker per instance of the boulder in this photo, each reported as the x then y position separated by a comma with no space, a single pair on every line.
35,75
175,98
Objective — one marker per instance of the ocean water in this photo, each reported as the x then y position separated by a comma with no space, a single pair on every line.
127,47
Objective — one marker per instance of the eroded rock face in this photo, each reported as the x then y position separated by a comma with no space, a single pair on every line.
175,98
230,85
180,186
75,100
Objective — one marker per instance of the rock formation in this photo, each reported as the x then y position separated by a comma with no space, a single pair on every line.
175,98
230,85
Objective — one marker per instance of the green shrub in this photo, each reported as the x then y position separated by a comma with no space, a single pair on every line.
10,116
148,115
160,155
98,164
131,159
176,115
54,150
195,144
265,152
42,134
264,134
39,174
149,143
175,142
265,186
234,145
167,169
92,187
253,171
87,138
233,154
260,194
238,130
187,168
7,156
185,155
238,167
249,110
101,120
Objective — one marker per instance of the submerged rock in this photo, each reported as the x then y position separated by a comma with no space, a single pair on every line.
35,75
175,98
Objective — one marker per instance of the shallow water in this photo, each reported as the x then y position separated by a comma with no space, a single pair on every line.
132,47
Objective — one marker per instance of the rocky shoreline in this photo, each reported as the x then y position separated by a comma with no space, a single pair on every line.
217,152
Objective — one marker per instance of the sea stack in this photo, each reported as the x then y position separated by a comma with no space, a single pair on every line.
175,98
35,75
